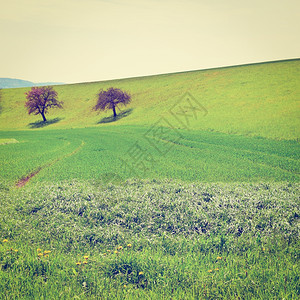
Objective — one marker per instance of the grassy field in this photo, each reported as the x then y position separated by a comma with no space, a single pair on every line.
254,100
191,193
132,151
151,240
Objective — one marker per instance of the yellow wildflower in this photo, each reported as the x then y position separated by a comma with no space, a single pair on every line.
125,286
216,269
209,271
86,257
40,254
46,255
108,251
141,273
104,254
264,249
129,246
116,252
5,241
84,262
120,248
16,250
78,263
219,257
47,252
39,250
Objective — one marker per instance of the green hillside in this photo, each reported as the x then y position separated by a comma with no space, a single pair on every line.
129,152
191,193
253,100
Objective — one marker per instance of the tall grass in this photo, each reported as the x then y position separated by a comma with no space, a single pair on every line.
151,240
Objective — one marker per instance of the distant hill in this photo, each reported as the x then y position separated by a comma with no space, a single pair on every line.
6,83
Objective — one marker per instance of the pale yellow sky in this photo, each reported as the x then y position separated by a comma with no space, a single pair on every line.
90,40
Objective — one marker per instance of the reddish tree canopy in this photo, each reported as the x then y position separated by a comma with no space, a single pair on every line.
40,99
111,98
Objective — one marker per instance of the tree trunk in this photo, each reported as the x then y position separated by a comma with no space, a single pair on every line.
43,115
114,110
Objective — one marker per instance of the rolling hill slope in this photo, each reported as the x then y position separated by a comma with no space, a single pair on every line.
253,100
192,193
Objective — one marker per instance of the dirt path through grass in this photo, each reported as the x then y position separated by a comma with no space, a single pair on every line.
24,180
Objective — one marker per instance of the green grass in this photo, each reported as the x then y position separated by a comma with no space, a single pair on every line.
186,241
134,152
7,141
206,195
254,100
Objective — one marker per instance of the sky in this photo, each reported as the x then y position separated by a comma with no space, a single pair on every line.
91,40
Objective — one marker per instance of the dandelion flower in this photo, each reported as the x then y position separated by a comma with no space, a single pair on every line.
40,254
86,257
219,257
46,255
5,241
116,252
47,252
16,250
125,286
39,250
209,271
264,249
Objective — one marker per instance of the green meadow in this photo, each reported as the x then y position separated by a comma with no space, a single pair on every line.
192,192
133,151
254,100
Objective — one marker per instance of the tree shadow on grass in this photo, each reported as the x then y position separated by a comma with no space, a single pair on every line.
41,124
119,116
